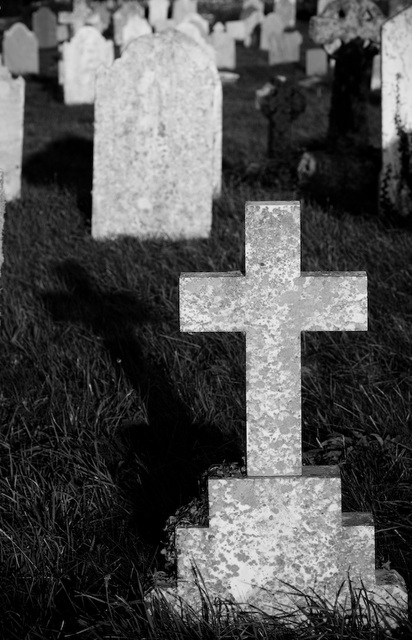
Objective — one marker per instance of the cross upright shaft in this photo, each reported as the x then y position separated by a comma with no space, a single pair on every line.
272,303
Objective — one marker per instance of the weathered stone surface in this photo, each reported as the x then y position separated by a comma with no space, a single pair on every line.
45,27
272,304
20,50
224,47
396,174
157,140
316,62
11,132
342,21
82,56
271,27
281,529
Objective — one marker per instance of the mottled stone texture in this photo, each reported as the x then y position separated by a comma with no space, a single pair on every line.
285,525
11,132
272,304
396,174
157,149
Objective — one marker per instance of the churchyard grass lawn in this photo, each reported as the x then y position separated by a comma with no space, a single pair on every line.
109,415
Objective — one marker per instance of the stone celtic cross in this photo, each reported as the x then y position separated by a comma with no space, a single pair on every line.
272,303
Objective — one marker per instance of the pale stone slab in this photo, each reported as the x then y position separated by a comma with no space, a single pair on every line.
121,16
164,25
236,29
82,56
285,47
272,27
44,23
20,50
182,8
193,32
286,10
11,132
316,62
65,17
253,18
376,73
224,47
272,304
81,11
396,52
157,140
158,11
321,6
135,27
62,33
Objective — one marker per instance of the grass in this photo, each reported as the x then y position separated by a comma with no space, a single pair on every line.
109,415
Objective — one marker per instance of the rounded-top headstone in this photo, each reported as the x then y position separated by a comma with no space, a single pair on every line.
157,150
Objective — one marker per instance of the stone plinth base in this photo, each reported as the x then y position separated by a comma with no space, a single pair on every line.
271,537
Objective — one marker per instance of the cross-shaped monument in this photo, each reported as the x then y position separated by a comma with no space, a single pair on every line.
283,523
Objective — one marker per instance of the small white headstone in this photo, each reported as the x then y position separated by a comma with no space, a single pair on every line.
20,50
121,16
157,146
183,8
272,26
82,56
224,47
45,27
286,10
251,21
396,91
236,29
158,11
11,132
135,27
81,12
316,62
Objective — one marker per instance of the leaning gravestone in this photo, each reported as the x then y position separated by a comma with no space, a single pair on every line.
396,174
11,132
45,27
280,530
157,147
82,56
20,50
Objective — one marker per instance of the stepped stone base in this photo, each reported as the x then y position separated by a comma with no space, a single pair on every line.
269,537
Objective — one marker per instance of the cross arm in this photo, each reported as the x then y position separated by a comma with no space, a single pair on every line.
334,301
211,302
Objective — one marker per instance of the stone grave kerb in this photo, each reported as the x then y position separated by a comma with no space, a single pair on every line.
272,303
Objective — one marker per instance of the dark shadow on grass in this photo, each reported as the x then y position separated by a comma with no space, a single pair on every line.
67,162
171,450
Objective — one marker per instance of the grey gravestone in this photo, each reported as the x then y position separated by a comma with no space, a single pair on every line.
45,28
183,8
135,27
20,50
224,46
316,62
272,26
11,132
157,148
396,90
82,56
158,11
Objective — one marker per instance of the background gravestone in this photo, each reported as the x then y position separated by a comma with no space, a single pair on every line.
11,132
157,148
396,89
135,27
45,27
20,50
82,56
272,26
158,11
183,8
224,47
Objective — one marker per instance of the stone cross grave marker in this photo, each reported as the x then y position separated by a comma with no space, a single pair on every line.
20,50
396,90
45,27
82,56
11,132
157,145
283,522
